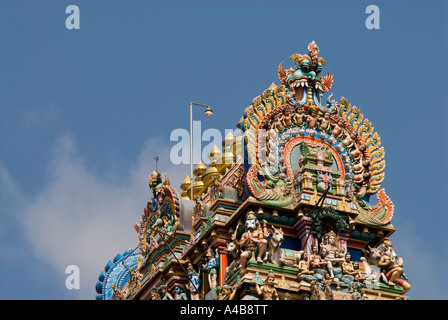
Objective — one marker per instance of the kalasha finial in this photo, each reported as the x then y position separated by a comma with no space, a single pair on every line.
314,53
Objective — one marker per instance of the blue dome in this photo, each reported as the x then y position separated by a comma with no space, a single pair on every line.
116,272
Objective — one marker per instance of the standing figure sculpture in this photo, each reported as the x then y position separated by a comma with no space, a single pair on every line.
267,290
211,267
195,282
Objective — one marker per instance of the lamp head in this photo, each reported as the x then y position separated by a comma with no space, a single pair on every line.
208,112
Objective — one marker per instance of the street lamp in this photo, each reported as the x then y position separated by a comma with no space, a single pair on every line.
208,114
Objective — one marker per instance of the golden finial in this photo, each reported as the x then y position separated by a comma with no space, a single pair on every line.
200,168
186,183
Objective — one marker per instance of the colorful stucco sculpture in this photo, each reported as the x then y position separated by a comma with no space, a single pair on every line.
288,217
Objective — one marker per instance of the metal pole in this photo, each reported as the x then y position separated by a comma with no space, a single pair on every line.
191,151
191,143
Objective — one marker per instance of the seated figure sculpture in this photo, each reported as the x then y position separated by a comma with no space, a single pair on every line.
317,264
304,269
253,238
331,253
392,267
350,271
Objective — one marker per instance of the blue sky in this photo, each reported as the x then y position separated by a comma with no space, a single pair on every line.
84,112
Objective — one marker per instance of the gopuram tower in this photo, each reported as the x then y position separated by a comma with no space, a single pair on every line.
283,211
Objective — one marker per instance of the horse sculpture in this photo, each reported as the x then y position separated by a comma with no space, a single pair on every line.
281,256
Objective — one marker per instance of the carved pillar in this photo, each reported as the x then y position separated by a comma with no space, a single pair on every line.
223,263
303,229
221,246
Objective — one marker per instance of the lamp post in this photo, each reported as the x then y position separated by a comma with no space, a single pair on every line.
208,113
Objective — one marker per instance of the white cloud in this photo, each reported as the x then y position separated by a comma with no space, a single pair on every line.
41,116
82,218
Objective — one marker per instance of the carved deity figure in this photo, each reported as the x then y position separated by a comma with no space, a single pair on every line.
357,152
338,128
165,294
361,167
350,139
228,293
117,292
312,119
180,293
195,282
212,267
304,266
267,290
277,124
351,268
331,252
325,122
298,117
316,261
155,295
392,267
253,238
286,118
233,267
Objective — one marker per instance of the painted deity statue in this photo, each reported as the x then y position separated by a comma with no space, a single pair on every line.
348,267
331,253
180,293
212,267
267,290
316,261
195,282
228,293
253,238
392,267
325,122
117,292
350,271
304,266
165,294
